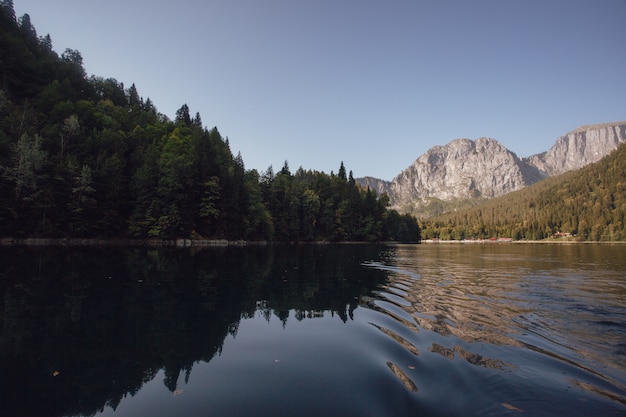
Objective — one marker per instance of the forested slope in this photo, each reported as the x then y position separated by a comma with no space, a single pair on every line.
587,204
85,156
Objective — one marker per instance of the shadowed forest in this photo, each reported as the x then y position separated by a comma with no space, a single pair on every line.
86,156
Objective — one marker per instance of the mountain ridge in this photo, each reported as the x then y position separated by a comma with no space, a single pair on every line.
587,204
466,170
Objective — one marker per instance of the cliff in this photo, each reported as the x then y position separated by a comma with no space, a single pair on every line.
580,147
465,171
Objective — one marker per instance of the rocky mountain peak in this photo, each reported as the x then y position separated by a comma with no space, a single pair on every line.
467,169
462,169
580,147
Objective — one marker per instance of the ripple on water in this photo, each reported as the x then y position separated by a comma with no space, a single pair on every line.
398,339
406,381
391,309
537,336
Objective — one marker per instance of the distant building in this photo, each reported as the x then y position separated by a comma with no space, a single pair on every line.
501,239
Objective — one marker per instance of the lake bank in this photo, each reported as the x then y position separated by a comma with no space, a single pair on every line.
8,241
496,242
122,242
166,242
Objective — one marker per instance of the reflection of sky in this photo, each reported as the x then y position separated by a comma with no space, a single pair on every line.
491,324
494,294
470,326
152,399
530,306
322,364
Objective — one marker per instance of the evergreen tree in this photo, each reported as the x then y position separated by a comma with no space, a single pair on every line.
46,42
28,30
342,172
74,57
182,115
86,157
7,7
26,171
197,121
133,98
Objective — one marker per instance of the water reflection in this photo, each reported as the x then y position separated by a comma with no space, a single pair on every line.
363,330
565,303
84,328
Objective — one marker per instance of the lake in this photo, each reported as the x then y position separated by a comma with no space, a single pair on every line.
314,330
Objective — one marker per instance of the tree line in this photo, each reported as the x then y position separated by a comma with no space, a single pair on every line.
587,204
86,156
162,311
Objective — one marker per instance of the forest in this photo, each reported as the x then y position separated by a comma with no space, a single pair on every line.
582,205
86,156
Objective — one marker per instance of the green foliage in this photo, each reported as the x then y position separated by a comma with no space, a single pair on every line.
25,173
311,205
84,156
587,205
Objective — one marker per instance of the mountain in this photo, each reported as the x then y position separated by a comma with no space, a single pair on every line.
580,147
465,172
378,185
587,204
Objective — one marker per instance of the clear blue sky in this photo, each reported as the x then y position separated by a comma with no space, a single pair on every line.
372,83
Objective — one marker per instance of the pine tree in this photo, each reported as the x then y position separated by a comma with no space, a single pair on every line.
7,6
182,115
342,172
133,98
27,28
46,42
29,159
197,121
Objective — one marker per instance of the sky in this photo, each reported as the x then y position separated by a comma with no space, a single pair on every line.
370,83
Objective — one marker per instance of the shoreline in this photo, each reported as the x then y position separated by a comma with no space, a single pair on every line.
124,242
180,243
188,243
517,242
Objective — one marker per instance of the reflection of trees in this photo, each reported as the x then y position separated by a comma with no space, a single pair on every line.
83,328
473,358
106,321
311,279
462,291
458,295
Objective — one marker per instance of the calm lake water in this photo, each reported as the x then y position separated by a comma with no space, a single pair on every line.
314,330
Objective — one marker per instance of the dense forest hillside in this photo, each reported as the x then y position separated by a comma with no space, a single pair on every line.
465,173
86,156
587,205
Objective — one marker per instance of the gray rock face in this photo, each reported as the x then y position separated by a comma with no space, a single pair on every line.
465,169
580,147
380,186
462,169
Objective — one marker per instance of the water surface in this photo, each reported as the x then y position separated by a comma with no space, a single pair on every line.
346,330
